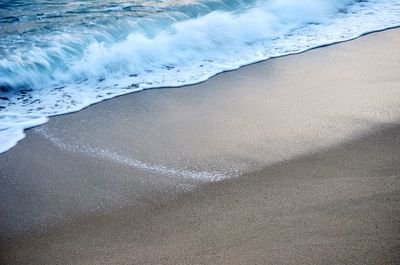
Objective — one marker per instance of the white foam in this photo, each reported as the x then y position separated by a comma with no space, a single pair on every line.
131,162
12,128
76,70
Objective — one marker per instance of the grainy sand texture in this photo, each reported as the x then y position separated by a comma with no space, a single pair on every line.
295,160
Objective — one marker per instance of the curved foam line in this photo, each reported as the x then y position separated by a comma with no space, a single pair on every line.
127,161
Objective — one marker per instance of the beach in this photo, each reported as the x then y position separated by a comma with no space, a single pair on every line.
294,160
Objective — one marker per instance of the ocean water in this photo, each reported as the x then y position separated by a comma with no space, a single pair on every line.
59,56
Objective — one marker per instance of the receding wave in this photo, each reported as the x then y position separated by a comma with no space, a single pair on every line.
72,55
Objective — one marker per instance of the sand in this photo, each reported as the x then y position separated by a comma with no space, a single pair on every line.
309,145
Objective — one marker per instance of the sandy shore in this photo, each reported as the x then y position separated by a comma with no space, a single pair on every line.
308,145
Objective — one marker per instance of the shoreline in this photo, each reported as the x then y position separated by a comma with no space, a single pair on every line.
45,119
313,137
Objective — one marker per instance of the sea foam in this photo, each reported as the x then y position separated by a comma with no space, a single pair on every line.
65,68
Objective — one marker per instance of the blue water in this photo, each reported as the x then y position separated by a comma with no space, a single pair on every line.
61,56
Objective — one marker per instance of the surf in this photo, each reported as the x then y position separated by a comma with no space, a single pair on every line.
77,54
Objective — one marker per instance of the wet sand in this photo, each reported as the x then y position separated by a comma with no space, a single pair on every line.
309,145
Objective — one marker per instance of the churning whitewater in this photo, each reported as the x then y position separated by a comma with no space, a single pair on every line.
60,56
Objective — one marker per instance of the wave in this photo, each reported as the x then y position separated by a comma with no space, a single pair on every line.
65,69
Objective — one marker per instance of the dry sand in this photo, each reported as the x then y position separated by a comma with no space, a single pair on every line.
312,141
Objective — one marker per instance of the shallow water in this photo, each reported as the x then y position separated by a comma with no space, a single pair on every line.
60,56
